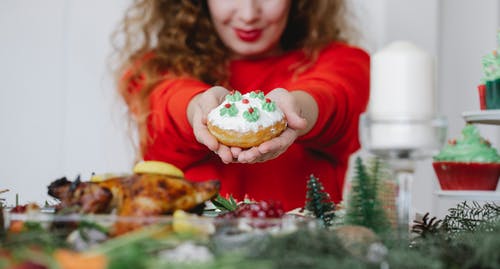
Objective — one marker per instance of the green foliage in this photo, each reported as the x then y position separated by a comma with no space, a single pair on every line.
365,207
307,249
318,201
224,204
471,217
128,256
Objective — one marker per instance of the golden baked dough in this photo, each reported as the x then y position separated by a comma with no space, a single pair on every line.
248,139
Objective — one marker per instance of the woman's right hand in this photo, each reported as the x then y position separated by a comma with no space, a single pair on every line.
197,112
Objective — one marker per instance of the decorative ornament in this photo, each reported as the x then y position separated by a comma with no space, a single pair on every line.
318,201
365,207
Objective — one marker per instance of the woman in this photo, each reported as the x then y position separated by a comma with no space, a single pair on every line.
181,57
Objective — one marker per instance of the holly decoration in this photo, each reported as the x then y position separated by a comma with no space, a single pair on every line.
318,201
268,105
257,94
365,207
229,109
251,115
234,96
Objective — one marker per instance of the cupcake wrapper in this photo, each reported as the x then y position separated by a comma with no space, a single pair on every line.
481,89
467,176
493,94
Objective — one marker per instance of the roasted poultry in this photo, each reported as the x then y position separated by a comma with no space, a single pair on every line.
136,195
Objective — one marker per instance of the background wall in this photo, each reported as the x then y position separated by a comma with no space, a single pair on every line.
59,115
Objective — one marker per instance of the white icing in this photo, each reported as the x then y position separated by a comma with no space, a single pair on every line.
239,123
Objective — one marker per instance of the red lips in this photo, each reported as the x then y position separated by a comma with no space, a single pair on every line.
248,35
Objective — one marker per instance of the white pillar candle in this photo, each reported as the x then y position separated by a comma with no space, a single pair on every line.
401,97
402,83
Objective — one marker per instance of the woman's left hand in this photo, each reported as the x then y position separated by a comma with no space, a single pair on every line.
275,147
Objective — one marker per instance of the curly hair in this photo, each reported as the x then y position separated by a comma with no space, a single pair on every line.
178,35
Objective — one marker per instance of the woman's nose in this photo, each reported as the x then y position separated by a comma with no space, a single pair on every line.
248,10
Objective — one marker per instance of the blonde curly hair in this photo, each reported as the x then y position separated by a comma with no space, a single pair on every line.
178,35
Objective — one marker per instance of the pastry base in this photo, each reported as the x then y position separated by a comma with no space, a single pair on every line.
248,139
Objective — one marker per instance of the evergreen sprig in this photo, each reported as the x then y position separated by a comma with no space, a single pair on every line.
471,217
318,201
365,207
224,204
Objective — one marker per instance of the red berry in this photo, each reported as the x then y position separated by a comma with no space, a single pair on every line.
245,101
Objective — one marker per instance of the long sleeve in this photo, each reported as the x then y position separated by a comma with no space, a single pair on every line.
339,82
171,134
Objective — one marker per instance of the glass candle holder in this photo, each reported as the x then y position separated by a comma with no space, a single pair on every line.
400,143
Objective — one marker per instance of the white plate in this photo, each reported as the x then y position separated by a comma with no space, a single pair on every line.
489,116
470,195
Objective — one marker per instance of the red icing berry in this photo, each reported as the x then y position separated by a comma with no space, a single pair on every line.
268,100
250,110
452,142
232,92
228,105
245,101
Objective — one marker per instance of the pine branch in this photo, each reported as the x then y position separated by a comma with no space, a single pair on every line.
466,217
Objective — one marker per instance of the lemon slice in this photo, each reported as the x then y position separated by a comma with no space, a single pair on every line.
103,177
185,223
157,167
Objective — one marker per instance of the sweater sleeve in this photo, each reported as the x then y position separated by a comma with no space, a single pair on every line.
339,82
172,137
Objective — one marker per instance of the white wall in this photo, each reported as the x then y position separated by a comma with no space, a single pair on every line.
59,115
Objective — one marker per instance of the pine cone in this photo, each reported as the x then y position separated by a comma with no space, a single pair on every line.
425,226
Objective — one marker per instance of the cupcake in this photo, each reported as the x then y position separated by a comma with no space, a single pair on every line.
468,163
489,89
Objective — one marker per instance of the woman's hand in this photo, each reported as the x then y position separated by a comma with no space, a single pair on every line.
289,103
198,110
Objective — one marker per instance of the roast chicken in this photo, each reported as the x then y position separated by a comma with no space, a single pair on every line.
138,195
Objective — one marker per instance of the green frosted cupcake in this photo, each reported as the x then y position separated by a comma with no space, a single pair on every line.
491,77
468,163
471,147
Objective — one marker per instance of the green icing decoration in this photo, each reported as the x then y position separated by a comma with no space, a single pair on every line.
491,64
229,109
251,115
257,94
470,148
234,96
268,105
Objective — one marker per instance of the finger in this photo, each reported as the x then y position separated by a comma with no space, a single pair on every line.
249,156
225,154
295,121
236,152
281,142
202,134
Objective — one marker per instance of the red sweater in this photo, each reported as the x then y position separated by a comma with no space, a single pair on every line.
339,82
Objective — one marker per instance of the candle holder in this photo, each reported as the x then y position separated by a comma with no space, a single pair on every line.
400,143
